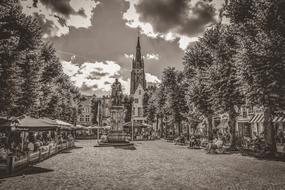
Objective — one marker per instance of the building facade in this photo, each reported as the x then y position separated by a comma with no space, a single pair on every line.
85,116
138,85
104,111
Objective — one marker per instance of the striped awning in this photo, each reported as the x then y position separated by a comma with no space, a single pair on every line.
279,118
260,118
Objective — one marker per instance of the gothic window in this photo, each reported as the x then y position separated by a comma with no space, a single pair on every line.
140,92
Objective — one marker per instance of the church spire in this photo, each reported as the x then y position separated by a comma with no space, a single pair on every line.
137,74
138,53
138,43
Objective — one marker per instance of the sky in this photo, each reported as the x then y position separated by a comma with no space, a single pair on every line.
96,39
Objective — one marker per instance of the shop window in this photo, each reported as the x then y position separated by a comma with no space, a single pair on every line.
87,118
244,113
139,112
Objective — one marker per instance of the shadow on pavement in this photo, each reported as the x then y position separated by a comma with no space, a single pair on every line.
77,147
263,157
65,152
32,170
125,147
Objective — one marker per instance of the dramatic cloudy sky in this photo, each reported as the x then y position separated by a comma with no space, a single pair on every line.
96,39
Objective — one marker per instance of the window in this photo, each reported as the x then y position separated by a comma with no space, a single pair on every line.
140,92
244,113
134,111
136,100
87,118
87,109
81,118
139,112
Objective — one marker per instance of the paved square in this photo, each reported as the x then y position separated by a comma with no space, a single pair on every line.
153,165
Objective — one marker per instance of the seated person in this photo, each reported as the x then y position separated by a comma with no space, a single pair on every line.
216,144
103,138
3,153
31,147
192,141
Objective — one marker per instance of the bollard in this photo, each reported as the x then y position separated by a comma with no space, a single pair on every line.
11,164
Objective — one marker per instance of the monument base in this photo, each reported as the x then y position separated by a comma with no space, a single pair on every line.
115,139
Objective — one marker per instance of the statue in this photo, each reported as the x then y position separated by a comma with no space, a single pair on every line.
117,94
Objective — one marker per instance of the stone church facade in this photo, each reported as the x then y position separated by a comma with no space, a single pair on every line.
138,85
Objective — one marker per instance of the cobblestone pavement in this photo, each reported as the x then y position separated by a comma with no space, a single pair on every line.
153,165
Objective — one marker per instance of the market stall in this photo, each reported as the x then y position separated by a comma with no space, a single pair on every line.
29,140
139,131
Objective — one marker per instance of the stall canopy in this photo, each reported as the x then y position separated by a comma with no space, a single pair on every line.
102,127
136,125
79,127
64,125
30,123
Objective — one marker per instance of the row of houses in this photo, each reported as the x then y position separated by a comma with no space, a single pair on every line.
249,122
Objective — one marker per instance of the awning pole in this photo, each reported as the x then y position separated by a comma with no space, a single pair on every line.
132,129
97,135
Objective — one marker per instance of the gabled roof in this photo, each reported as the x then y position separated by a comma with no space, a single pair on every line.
138,87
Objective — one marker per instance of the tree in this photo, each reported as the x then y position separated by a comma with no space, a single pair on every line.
94,110
20,39
160,105
197,61
175,96
31,77
225,86
261,56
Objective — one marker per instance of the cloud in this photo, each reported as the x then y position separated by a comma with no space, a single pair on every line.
151,78
129,56
177,16
88,90
59,6
95,77
150,56
185,41
60,15
172,19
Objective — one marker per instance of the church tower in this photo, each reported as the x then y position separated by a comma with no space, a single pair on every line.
137,74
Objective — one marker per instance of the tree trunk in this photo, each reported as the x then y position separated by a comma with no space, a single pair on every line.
210,128
269,130
156,127
188,132
161,127
232,126
179,128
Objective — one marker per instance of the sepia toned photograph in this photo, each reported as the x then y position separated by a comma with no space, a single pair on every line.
142,94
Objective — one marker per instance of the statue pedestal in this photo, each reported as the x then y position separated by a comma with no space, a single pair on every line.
117,119
116,137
